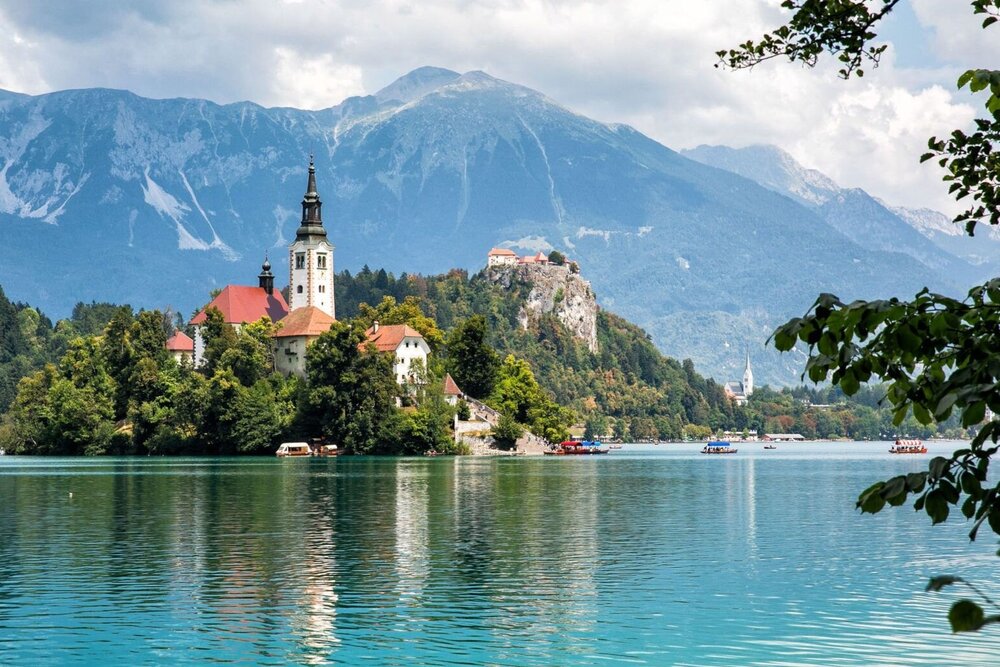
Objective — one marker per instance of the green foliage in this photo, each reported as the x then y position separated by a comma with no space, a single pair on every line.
351,393
938,355
507,431
388,311
472,361
557,258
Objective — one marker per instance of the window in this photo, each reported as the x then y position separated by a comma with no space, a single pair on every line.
298,289
321,260
322,288
300,260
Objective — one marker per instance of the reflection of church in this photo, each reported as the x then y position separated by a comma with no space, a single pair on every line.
739,392
310,309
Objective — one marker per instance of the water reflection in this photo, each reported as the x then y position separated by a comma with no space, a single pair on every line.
655,560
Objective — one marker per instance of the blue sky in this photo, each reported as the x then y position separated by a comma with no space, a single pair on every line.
648,63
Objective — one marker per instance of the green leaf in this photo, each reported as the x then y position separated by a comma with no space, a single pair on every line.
937,583
922,414
966,616
936,507
944,405
974,414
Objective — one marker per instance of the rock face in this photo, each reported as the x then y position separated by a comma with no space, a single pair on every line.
555,290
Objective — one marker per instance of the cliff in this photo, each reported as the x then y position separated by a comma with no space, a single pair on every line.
553,290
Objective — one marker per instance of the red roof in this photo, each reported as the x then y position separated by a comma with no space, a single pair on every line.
240,304
450,388
305,321
389,336
497,252
180,342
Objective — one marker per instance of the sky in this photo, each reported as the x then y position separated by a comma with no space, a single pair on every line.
647,63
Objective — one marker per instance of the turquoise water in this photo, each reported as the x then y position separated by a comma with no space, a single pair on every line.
650,555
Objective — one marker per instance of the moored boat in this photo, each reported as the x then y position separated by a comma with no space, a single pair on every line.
770,446
908,447
718,447
293,449
577,448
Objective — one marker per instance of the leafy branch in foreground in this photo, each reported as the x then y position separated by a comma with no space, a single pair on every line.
843,28
937,354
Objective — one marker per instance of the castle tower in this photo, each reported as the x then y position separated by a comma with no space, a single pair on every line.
310,257
748,377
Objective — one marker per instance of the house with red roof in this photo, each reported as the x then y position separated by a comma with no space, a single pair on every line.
181,347
240,304
295,333
452,394
406,343
501,257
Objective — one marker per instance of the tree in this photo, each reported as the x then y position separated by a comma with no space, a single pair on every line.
472,361
939,355
351,394
506,432
557,258
389,311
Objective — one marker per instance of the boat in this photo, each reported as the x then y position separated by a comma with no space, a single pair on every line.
770,446
908,447
577,448
432,452
290,449
718,447
614,446
326,450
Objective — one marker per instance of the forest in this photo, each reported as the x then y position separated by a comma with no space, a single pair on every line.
101,381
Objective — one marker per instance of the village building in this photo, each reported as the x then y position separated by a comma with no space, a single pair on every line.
740,392
240,304
181,347
452,394
501,257
406,343
296,332
538,258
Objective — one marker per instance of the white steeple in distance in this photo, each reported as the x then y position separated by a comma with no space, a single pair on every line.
310,257
748,377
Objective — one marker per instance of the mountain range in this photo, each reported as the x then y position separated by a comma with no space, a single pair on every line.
105,195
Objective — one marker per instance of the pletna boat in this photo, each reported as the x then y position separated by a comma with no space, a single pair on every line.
770,446
718,447
290,449
908,447
577,448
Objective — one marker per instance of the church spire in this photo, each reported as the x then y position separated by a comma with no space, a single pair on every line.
748,376
312,208
266,278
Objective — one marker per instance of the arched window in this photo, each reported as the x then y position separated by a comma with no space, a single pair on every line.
299,289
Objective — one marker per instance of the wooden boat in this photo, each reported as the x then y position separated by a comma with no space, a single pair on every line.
908,447
719,447
292,449
614,446
326,450
577,448
770,446
432,452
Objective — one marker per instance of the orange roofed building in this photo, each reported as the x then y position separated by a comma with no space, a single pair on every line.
240,304
181,347
406,343
298,331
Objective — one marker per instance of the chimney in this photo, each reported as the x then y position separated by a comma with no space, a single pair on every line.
375,326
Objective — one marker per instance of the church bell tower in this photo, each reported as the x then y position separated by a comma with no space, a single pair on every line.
748,377
310,257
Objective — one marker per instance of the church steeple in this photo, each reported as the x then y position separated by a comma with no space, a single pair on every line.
312,208
266,278
748,376
310,257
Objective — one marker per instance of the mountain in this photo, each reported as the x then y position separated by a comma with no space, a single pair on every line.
851,211
105,195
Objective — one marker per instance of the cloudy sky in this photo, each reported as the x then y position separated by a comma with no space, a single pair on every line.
648,63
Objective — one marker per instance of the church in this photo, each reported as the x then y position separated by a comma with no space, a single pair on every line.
310,309
739,392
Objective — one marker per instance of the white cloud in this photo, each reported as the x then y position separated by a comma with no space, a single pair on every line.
648,63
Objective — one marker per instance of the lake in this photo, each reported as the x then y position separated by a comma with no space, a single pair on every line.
652,555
